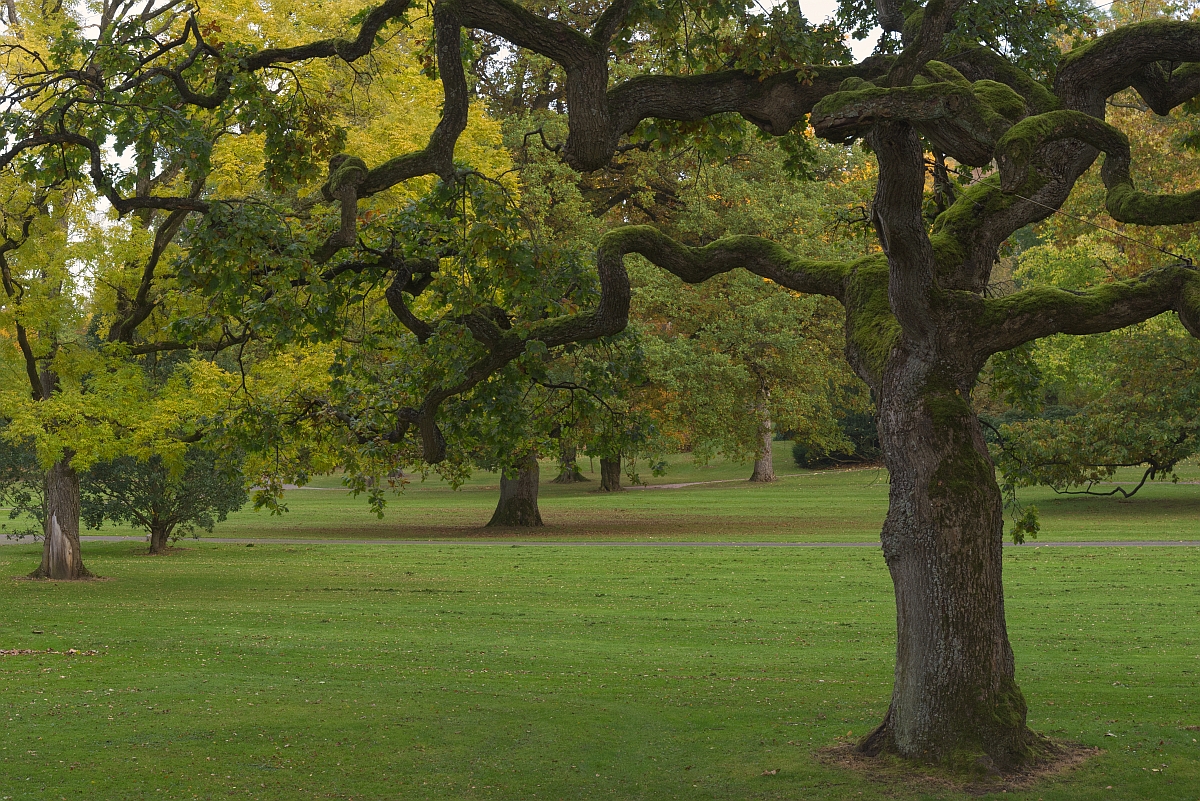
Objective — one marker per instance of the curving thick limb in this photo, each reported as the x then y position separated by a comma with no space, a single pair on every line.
950,115
1020,147
1005,323
1128,56
751,253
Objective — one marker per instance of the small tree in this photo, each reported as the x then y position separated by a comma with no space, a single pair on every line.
166,502
22,490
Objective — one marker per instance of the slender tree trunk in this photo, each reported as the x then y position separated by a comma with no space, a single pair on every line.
764,461
568,466
61,557
955,700
518,504
610,474
160,537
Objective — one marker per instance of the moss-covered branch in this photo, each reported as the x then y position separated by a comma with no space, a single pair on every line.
961,119
1004,323
1128,56
979,63
1018,151
751,253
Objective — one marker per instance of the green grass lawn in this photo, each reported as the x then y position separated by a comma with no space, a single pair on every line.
459,671
446,670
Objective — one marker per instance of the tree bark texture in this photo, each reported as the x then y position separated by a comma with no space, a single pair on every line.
764,461
61,557
955,699
160,538
518,504
610,474
568,466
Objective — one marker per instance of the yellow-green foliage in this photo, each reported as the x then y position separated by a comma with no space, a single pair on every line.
384,102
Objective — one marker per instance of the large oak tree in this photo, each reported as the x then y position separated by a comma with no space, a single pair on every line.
981,84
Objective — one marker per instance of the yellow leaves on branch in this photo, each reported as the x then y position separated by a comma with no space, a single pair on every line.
384,103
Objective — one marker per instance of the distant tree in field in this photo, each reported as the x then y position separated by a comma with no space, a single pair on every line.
736,360
167,501
96,367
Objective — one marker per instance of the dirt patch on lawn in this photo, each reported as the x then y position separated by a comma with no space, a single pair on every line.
897,775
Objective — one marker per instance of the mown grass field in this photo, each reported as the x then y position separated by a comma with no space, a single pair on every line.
458,670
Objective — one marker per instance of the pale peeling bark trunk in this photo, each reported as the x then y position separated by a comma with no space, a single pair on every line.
518,504
764,462
61,557
610,474
955,700
568,466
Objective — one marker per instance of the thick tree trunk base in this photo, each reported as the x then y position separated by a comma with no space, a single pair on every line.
989,751
160,543
61,559
42,575
610,475
764,460
570,476
907,776
517,512
568,467
518,505
764,470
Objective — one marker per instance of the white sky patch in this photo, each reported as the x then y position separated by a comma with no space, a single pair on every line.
820,10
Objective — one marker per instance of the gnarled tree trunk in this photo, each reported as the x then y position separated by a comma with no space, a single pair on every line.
764,461
61,557
518,504
955,699
610,474
568,466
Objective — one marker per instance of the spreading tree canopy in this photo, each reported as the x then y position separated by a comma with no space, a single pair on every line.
983,86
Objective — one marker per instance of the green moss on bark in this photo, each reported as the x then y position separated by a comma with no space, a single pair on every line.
1001,99
1189,306
874,330
345,170
941,71
1128,205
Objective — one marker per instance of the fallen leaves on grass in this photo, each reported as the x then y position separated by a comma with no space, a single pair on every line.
31,652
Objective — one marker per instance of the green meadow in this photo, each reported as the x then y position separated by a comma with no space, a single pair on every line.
475,669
